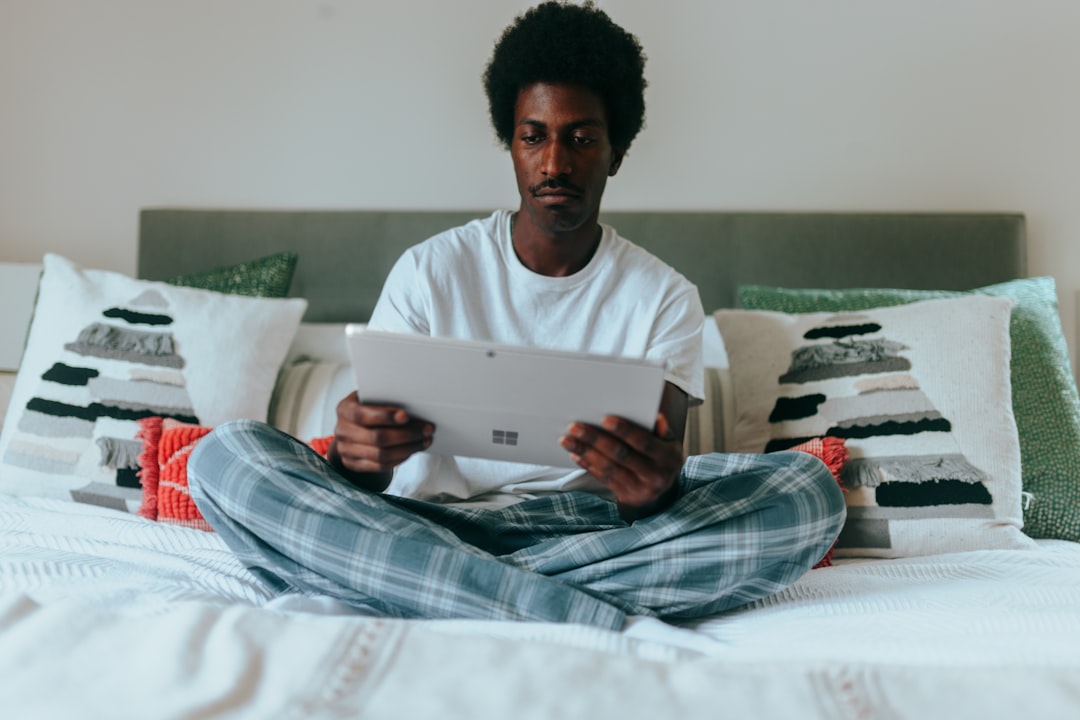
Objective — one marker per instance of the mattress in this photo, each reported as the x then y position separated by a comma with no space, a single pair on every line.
104,614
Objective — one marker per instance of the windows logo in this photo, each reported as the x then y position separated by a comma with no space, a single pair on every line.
504,437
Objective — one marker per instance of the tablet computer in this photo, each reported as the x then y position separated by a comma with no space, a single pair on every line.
498,401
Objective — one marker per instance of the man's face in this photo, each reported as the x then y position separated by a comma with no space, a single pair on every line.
562,155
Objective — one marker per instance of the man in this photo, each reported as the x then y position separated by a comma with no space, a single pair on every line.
637,531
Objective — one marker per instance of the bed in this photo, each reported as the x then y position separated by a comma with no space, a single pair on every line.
108,610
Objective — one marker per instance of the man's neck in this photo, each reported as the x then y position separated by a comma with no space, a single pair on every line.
555,254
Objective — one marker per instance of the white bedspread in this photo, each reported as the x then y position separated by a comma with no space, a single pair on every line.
105,615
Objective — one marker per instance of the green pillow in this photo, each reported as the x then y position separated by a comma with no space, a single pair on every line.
268,277
1044,395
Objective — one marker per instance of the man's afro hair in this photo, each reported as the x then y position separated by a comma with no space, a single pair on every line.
560,42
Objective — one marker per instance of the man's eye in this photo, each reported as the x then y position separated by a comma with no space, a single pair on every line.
584,140
530,139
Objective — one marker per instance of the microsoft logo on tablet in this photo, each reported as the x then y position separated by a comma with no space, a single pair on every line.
504,437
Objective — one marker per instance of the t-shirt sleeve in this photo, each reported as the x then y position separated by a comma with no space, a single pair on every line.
403,302
677,341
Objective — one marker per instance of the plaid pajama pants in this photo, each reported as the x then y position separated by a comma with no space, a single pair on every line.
743,527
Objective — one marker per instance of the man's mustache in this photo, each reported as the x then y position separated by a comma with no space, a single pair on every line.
556,184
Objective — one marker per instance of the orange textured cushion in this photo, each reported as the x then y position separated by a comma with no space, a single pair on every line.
167,445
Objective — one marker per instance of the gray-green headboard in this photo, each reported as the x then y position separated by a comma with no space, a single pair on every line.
346,254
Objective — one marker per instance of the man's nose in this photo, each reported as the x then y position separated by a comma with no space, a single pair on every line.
556,160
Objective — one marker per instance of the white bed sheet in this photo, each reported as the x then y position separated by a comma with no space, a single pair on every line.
107,615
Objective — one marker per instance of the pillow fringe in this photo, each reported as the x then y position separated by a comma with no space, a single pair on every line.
149,474
872,472
835,453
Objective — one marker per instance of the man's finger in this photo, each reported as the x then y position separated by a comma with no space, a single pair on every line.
647,442
605,455
381,415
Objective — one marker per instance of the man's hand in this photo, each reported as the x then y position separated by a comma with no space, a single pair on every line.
371,440
638,465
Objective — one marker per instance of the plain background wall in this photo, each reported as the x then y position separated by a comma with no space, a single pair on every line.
107,106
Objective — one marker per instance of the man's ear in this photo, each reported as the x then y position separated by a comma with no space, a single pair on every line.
616,161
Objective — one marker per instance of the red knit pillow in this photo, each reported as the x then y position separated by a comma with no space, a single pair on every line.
167,444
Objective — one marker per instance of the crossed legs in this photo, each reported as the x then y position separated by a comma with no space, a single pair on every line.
744,527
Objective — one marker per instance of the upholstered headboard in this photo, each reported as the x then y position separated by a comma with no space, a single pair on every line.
345,254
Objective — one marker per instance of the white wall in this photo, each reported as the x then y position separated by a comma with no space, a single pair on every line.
112,105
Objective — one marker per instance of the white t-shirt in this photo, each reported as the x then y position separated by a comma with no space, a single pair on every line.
469,283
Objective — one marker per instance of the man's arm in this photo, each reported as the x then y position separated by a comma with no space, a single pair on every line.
641,466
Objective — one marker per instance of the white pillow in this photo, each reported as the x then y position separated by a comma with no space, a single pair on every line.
319,341
709,425
316,376
920,392
712,345
105,350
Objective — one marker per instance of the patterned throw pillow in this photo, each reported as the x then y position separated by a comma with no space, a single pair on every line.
105,350
1044,395
306,396
268,276
167,444
920,393
705,422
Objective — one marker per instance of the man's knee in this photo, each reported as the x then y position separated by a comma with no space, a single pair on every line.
819,480
817,487
816,498
781,473
217,454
